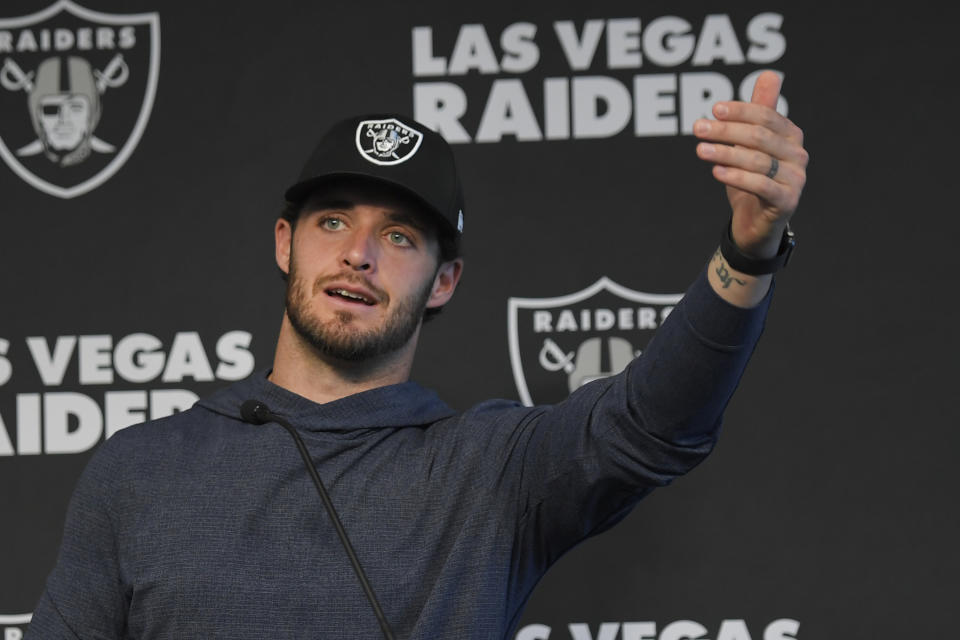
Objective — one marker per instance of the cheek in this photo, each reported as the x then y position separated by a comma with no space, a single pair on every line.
411,270
308,259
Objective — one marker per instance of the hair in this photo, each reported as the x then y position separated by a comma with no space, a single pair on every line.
448,241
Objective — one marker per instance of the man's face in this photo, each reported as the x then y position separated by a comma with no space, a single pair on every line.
65,120
361,271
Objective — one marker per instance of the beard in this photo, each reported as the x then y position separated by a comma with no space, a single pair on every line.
338,338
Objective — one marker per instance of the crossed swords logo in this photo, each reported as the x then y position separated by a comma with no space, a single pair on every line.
584,366
13,78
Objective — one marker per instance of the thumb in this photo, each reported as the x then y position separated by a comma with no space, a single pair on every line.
767,89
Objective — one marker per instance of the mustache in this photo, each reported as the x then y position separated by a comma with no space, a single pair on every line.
323,282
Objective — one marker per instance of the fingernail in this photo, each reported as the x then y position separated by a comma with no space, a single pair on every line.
707,149
701,126
721,171
721,110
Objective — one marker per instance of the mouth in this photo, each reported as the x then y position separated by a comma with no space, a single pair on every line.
352,296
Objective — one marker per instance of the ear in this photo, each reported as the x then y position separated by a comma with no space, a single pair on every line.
445,283
282,233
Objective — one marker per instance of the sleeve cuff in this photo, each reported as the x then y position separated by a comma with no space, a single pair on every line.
720,322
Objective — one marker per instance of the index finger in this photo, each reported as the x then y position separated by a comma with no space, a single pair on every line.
758,114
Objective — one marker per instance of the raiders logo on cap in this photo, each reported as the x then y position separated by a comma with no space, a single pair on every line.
387,142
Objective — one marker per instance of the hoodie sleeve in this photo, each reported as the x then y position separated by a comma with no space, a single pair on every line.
586,461
84,596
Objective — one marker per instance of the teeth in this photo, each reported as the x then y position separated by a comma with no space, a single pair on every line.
352,296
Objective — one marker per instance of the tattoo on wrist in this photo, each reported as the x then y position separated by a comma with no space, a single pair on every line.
724,273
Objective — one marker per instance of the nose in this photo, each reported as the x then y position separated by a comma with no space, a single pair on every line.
359,254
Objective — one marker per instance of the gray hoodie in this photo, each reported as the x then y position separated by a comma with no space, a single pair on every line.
203,526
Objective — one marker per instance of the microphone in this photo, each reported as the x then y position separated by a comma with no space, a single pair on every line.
255,412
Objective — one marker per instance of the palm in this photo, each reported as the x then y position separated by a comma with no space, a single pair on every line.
749,208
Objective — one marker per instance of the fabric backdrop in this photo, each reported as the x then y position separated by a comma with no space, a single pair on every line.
138,273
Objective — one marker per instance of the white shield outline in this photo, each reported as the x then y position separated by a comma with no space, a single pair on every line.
366,156
151,19
603,284
24,618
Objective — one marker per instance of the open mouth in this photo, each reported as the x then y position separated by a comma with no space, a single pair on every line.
350,296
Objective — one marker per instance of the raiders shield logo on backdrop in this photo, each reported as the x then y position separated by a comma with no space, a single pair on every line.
559,344
388,141
76,91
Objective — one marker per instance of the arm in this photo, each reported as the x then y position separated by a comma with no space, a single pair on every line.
84,597
752,135
586,461
590,458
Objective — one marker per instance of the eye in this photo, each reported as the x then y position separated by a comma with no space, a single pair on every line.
399,239
331,224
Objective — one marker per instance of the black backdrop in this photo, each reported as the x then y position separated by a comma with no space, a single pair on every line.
830,500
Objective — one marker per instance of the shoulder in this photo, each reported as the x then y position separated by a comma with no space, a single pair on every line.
498,412
133,461
489,423
194,432
173,427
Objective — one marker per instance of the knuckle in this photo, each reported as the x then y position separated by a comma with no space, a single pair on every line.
770,189
770,118
756,137
762,162
798,177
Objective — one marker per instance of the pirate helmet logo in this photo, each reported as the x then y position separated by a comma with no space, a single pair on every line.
387,142
64,105
89,79
559,344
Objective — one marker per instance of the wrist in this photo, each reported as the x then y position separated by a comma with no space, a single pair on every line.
739,289
762,260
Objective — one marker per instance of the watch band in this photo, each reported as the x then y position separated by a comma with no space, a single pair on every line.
756,266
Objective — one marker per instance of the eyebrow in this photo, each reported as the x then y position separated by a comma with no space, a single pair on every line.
327,204
402,217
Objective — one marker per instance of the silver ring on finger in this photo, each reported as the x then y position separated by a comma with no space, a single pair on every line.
774,167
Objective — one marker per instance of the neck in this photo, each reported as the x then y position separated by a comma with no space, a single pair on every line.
300,368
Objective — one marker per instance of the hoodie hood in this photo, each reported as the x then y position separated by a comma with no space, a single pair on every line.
396,405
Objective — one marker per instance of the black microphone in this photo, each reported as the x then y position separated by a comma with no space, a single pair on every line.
256,412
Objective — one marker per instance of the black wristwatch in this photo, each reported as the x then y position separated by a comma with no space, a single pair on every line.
755,266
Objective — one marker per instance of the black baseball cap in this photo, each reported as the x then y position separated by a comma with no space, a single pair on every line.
391,149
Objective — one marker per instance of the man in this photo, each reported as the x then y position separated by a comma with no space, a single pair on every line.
204,524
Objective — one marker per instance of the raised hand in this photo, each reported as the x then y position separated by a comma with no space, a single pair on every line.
758,154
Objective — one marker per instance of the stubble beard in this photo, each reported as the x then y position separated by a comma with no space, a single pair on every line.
339,338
